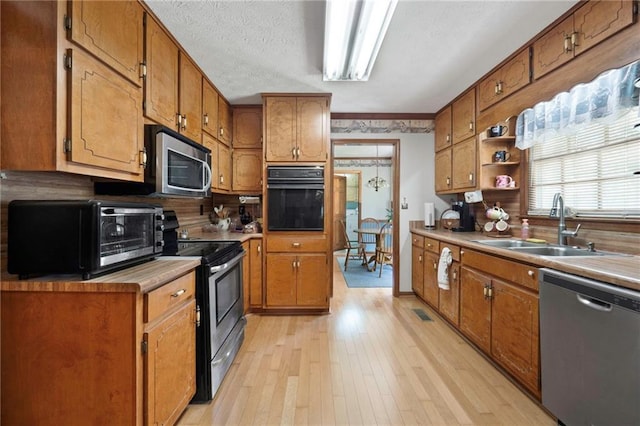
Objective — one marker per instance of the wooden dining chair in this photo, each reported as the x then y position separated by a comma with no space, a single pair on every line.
384,251
350,245
367,242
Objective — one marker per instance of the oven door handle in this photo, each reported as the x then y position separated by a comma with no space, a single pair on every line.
227,265
300,185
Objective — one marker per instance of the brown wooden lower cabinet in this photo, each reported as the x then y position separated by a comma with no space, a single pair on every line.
492,301
252,275
91,353
417,271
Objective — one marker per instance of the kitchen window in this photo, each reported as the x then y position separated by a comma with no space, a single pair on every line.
596,169
585,144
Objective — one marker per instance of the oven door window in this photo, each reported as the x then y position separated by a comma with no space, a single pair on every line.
184,172
125,235
227,292
296,209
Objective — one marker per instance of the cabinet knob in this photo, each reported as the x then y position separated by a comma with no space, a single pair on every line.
221,131
420,258
448,181
531,273
435,265
470,177
206,119
448,137
567,43
471,125
184,122
259,248
296,245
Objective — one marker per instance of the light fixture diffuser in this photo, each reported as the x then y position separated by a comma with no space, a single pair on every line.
354,30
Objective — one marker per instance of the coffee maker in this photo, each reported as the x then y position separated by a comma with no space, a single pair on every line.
467,219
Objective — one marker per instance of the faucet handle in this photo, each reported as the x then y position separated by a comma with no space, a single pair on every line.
577,229
591,246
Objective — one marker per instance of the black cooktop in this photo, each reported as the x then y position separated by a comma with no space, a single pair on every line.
215,252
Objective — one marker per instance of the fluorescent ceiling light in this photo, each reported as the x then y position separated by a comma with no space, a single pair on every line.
353,34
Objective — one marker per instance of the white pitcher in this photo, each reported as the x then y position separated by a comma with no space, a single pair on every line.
223,224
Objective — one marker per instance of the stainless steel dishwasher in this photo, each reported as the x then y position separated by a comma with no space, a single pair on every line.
590,350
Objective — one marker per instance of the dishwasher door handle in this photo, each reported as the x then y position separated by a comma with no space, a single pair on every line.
596,304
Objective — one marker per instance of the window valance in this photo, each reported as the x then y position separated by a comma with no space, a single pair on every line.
608,97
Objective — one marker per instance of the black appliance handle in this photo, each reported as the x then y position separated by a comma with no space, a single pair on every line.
299,185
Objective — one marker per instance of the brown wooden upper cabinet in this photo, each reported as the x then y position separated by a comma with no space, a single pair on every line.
209,109
592,23
463,113
247,127
122,45
173,84
443,129
79,126
296,127
508,79
225,121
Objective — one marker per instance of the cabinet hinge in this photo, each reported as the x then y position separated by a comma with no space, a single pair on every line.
143,346
66,145
67,22
67,61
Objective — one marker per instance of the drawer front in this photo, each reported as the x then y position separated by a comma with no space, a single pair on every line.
432,245
294,243
417,240
174,293
514,272
455,250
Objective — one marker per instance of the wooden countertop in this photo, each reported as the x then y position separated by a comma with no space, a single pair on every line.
623,271
141,278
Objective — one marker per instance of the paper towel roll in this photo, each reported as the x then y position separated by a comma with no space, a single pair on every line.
429,215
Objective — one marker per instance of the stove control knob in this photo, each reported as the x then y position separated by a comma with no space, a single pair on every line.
159,243
159,227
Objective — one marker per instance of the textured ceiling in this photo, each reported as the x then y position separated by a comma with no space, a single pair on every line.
432,52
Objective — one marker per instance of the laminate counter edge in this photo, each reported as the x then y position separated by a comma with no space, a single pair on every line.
623,271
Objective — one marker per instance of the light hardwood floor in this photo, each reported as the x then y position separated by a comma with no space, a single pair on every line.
371,361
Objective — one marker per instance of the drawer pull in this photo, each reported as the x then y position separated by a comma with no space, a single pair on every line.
296,245
179,292
197,315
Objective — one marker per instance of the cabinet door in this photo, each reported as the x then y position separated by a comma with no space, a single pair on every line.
121,46
443,171
312,280
255,282
161,82
553,49
212,144
431,292
247,127
190,99
312,137
514,332
417,272
597,20
281,279
449,304
209,109
225,121
475,308
224,167
99,99
280,128
443,129
506,80
463,117
170,366
464,164
247,170
246,277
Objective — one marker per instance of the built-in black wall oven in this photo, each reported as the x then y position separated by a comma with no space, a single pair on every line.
295,198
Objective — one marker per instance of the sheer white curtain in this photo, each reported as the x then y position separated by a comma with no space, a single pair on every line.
605,99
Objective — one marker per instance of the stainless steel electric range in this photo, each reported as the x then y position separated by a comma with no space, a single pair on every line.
219,298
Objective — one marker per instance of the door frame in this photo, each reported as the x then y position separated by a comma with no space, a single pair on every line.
395,203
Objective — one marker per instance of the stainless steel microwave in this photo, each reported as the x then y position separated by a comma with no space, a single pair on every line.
176,166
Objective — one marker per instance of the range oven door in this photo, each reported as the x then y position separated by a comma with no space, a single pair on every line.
222,324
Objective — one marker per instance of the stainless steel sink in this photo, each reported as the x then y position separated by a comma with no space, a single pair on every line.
558,251
508,243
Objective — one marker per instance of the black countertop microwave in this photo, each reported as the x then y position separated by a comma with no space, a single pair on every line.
176,166
88,237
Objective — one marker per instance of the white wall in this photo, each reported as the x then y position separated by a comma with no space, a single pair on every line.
416,185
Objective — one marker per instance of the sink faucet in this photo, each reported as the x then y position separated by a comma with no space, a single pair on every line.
557,210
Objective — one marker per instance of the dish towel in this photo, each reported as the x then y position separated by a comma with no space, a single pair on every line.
443,268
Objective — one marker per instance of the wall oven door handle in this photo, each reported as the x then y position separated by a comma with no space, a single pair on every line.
301,185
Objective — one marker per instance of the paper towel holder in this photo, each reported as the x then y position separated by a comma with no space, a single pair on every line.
429,216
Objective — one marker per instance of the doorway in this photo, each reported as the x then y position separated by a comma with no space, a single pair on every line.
368,170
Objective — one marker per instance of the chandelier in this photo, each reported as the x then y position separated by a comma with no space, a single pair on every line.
377,182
